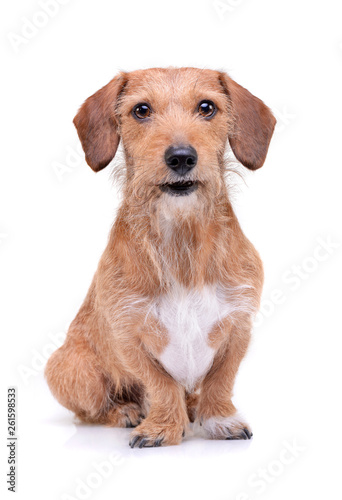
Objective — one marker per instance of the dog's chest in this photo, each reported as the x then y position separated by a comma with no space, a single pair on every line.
188,316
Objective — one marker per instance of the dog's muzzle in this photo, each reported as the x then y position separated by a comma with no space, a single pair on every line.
180,159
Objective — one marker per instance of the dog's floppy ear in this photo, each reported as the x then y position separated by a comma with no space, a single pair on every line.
254,124
96,124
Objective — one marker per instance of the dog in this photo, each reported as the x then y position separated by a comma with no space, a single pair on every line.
167,320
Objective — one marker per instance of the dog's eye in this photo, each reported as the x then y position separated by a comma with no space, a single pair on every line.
142,110
207,109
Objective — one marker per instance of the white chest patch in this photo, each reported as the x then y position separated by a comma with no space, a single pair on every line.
189,316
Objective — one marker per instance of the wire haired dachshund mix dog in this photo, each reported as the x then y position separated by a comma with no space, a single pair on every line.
167,319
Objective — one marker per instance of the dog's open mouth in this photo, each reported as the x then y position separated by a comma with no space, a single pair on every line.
180,188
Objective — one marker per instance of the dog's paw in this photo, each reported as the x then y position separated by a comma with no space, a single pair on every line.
149,434
226,428
125,415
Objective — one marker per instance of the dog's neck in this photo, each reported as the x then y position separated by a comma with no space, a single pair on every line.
187,247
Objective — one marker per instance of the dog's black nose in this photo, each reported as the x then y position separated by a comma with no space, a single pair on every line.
181,158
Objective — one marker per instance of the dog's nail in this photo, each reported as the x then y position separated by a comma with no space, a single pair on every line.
134,441
143,443
244,435
248,433
158,442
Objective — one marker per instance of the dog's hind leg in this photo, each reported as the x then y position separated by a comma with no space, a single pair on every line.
77,381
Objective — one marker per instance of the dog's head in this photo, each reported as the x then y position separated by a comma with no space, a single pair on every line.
174,125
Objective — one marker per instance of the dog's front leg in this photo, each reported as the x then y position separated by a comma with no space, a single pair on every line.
216,412
167,417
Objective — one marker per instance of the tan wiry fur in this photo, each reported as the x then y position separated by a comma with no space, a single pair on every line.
186,251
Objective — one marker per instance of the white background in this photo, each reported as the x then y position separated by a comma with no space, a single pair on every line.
53,230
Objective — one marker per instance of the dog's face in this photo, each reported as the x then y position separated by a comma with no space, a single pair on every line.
174,125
